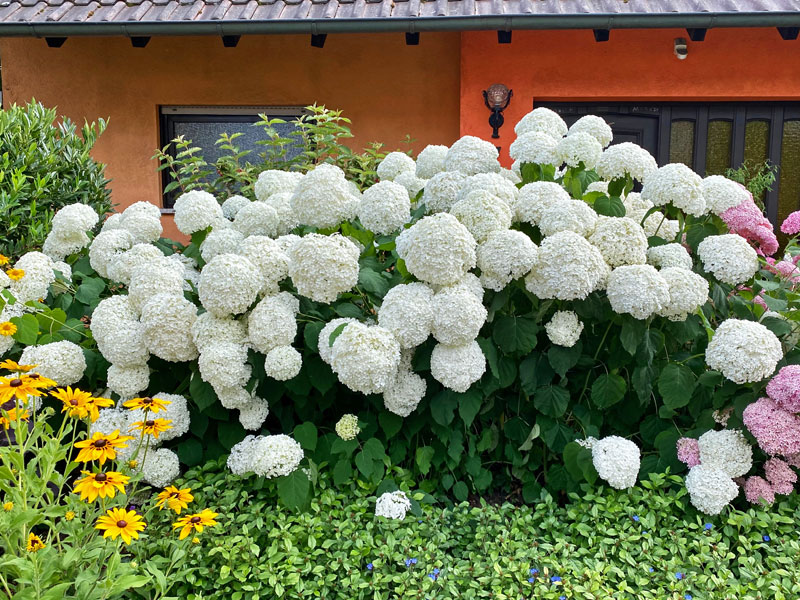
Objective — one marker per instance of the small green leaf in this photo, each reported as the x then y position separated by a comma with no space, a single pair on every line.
27,329
306,435
551,400
293,489
424,456
608,389
676,385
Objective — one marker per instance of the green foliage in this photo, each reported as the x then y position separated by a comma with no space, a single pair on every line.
44,165
602,544
758,178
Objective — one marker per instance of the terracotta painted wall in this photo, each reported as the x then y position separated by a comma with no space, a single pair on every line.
731,64
388,89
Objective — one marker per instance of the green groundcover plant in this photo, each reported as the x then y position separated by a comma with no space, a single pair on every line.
646,542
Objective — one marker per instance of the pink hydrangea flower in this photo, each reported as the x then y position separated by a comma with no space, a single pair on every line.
777,430
758,489
784,388
791,224
748,221
793,460
780,476
688,451
788,270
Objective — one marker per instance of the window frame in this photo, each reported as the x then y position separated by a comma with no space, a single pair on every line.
170,115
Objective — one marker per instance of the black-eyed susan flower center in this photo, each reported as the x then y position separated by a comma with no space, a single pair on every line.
195,519
149,423
15,382
100,477
122,523
147,401
73,402
99,443
34,376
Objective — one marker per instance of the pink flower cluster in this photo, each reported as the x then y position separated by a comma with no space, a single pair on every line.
758,489
780,475
784,388
747,220
791,224
688,451
776,430
787,269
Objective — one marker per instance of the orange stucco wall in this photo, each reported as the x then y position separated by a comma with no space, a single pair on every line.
731,64
388,89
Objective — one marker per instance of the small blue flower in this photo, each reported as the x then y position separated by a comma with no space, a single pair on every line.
369,566
534,571
709,526
651,569
436,571
688,597
636,518
679,576
645,532
432,576
410,561
413,561
531,580
767,538
555,578
420,521
562,598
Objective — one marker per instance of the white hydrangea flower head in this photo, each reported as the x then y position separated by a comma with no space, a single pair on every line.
161,276
395,163
594,126
505,255
269,257
722,194
257,218
599,186
621,241
623,159
578,147
535,198
404,394
275,456
482,213
407,311
656,224
457,367
144,208
710,490
543,120
224,365
365,358
141,225
431,161
469,282
39,274
160,467
568,268
273,181
728,257
106,247
511,175
253,414
617,461
411,183
637,290
633,201
75,218
726,450
678,185
743,351
688,291
534,147
347,427
240,460
564,328
669,255
471,155
457,316
221,241
323,198
63,362
112,222
441,191
168,320
568,215
437,249
232,205
121,268
229,284
234,398
493,183
195,211
124,345
61,267
324,343
384,207
271,324
58,244
176,411
127,382
8,312
392,505
282,203
108,421
322,267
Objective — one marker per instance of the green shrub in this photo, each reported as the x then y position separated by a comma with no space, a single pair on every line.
44,165
602,544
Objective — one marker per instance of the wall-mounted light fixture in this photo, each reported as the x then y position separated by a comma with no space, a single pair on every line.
497,98
681,48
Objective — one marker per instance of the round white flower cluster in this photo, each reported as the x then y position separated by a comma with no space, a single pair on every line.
405,392
282,203
491,183
621,241
568,215
431,161
536,198
457,367
392,505
395,163
68,231
542,120
678,185
63,362
323,198
253,413
568,268
504,256
535,147
167,322
283,363
224,366
384,207
637,290
457,316
266,456
441,191
323,266
710,489
564,328
437,249
365,358
273,182
106,248
35,283
728,257
229,284
177,411
617,460
688,291
122,266
233,204
669,255
743,351
221,240
257,218
721,193
726,450
195,211
594,126
270,259
482,213
578,147
407,312
272,322
471,155
347,427
625,159
160,467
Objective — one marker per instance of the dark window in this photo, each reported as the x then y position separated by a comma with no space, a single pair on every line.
204,125
711,137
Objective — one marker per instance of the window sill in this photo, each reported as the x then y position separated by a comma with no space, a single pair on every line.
167,211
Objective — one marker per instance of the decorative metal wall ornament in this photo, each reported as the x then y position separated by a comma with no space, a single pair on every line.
497,98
